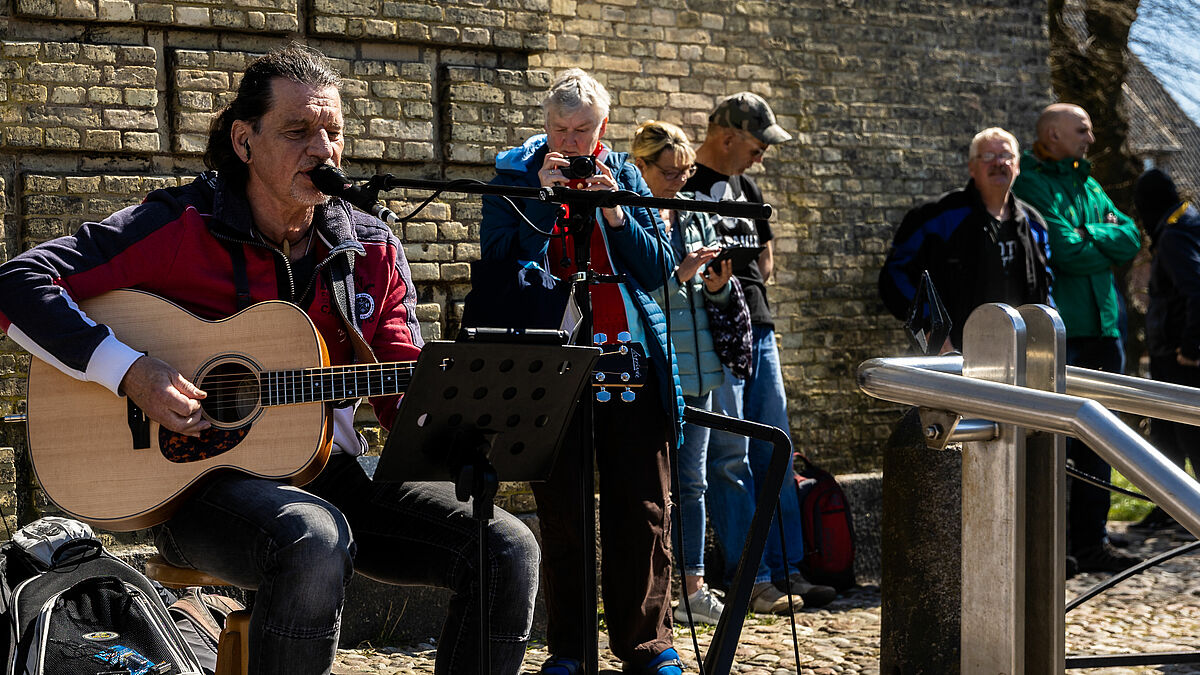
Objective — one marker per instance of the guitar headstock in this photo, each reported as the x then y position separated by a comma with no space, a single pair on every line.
621,365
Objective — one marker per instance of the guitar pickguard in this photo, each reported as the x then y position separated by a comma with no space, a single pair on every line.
212,442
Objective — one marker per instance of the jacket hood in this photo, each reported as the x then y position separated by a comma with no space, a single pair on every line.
519,158
230,214
1031,162
1155,197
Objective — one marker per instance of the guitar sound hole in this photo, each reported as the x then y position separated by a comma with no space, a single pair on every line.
233,393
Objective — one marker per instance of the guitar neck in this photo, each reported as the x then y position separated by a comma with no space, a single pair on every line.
335,383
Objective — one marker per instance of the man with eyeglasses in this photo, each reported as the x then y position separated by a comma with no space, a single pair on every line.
1089,236
740,129
979,244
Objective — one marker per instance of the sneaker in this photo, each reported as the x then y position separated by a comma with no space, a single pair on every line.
706,607
1104,558
766,599
814,595
560,665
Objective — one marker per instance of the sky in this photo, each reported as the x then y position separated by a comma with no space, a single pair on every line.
1166,36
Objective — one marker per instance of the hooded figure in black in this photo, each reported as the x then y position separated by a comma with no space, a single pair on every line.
1173,320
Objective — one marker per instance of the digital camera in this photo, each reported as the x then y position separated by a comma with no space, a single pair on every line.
579,167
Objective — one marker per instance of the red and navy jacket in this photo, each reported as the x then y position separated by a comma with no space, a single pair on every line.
180,244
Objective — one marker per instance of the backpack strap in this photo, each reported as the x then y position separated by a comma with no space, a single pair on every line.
194,607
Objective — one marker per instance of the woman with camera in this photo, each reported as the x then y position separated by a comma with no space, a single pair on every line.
662,151
632,439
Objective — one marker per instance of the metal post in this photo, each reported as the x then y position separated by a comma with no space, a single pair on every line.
1046,501
993,515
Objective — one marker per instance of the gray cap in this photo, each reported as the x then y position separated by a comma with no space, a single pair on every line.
749,112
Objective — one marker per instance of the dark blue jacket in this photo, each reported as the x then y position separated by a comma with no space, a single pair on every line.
1173,319
639,249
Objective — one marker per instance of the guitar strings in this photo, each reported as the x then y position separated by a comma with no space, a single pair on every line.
240,391
313,373
220,401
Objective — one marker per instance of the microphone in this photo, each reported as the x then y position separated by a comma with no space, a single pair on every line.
330,180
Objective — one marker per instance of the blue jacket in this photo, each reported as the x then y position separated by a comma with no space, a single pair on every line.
639,250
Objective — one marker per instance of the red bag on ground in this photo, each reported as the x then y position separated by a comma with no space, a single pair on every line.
828,527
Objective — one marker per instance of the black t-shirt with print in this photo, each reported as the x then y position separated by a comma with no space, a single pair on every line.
1004,258
711,186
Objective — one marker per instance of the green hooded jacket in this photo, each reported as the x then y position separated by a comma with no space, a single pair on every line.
1088,237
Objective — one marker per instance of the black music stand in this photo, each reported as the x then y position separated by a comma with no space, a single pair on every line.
493,408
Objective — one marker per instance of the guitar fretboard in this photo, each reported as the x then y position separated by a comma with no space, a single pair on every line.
307,385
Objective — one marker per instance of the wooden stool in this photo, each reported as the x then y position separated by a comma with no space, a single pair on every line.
233,649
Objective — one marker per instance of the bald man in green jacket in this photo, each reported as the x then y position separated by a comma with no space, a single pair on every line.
1088,237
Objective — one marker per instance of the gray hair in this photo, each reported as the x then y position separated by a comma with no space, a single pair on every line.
993,134
575,90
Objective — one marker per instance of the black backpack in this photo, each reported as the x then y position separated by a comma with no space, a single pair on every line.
84,611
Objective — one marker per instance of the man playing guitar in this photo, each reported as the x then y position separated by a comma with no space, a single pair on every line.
253,230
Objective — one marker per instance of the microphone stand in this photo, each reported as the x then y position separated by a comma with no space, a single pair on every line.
582,206
590,199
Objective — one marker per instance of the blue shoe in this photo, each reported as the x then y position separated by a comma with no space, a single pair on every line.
666,663
559,665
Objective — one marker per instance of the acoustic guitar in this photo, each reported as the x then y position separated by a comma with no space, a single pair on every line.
270,391
270,387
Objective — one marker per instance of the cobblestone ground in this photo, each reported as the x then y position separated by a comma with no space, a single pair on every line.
1156,611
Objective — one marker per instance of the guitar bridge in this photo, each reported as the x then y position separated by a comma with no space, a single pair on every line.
139,425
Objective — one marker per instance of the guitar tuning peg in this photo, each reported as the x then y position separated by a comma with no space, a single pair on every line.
600,376
628,396
601,338
625,377
603,395
624,336
623,349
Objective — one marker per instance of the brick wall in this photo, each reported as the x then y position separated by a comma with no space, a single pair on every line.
102,100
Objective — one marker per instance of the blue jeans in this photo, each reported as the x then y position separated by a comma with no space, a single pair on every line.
298,548
693,483
734,461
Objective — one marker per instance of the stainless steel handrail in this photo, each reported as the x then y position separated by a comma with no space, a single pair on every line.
1135,395
930,382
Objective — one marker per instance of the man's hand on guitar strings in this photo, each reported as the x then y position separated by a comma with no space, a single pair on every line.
165,396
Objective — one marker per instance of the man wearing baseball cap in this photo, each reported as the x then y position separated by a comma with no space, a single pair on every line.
740,130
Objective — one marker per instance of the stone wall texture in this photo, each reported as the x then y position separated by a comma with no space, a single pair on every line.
103,100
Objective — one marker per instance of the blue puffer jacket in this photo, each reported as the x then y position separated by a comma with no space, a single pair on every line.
700,368
639,249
